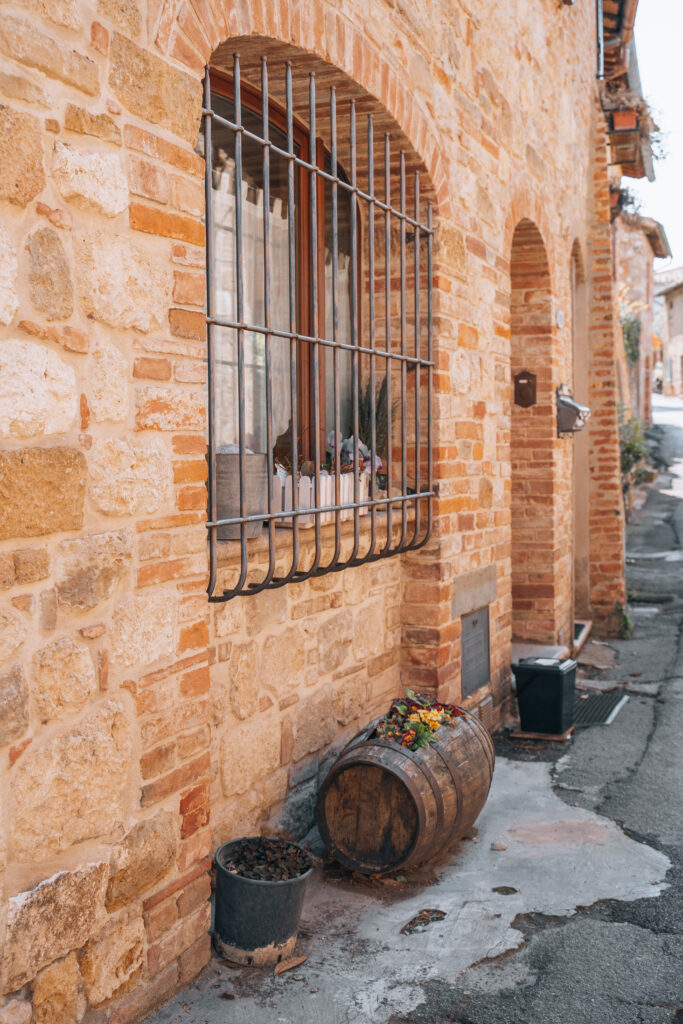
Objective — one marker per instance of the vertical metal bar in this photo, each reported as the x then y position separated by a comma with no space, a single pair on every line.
601,39
371,329
266,315
416,283
404,445
387,330
210,306
293,397
313,195
354,330
430,368
239,277
335,326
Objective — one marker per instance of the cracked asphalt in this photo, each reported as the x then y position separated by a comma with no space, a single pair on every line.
579,919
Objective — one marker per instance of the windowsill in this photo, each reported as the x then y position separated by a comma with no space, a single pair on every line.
229,551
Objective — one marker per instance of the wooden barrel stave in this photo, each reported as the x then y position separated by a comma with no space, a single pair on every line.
382,806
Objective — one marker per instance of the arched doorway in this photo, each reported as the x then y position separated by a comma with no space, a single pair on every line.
531,441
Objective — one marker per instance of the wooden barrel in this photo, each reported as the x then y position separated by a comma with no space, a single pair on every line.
383,806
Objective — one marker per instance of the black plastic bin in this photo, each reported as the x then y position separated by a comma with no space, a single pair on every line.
545,694
256,923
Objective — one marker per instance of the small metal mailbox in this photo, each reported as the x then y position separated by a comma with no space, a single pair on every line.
571,415
525,388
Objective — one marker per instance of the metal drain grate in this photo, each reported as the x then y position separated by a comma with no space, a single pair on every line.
598,708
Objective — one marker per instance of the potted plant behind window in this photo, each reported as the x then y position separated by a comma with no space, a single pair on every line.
260,888
228,489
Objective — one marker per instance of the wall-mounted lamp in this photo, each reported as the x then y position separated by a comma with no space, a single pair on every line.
571,415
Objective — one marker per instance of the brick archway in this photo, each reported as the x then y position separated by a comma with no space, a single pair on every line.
193,38
532,440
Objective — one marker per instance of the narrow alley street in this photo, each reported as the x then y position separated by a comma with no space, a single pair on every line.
564,905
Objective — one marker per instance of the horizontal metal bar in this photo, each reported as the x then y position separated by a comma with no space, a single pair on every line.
311,167
263,517
236,325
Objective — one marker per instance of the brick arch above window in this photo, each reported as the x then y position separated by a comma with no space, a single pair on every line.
324,40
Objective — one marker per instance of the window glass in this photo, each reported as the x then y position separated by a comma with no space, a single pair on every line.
224,273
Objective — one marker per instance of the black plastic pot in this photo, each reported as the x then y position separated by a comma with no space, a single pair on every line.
256,922
545,694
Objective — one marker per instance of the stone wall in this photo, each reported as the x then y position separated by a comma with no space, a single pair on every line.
139,725
635,286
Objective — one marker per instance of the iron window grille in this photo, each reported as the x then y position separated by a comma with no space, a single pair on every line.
397,403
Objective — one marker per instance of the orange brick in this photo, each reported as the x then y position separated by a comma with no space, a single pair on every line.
195,797
158,760
189,289
176,780
148,368
169,225
190,471
162,572
189,444
195,683
99,37
178,884
192,498
194,849
148,180
187,196
186,323
192,637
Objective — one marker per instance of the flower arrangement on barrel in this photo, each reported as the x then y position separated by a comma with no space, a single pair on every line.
413,720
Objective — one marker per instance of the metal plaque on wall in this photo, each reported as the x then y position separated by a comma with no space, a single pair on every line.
476,663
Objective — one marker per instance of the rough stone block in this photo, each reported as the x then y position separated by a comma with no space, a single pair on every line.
77,119
9,266
22,175
349,698
49,276
108,394
369,633
283,663
171,408
13,705
16,87
129,479
57,998
37,391
61,12
124,14
21,41
314,724
63,679
243,678
334,641
41,491
72,787
30,564
17,1011
12,633
112,961
154,90
48,922
142,629
89,567
143,857
92,181
249,753
120,283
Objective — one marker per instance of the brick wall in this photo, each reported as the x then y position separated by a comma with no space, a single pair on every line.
139,725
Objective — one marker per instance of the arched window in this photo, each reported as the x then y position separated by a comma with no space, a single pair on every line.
312,419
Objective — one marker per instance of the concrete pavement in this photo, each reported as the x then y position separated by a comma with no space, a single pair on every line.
578,920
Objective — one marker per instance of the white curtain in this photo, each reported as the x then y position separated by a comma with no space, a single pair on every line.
225,282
